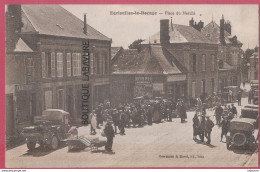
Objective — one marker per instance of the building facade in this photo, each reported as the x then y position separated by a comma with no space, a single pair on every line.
56,39
193,51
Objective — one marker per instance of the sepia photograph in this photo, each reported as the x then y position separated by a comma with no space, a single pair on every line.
131,86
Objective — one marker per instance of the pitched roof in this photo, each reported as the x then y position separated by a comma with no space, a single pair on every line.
151,60
212,32
21,46
115,51
180,34
55,20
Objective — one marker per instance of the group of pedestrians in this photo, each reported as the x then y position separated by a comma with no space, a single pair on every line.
202,124
114,120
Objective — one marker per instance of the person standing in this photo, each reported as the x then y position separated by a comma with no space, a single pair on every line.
249,96
224,127
208,128
239,96
218,113
234,110
196,126
110,134
115,118
149,115
93,123
183,113
122,122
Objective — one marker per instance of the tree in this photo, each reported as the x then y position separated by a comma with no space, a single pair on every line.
136,44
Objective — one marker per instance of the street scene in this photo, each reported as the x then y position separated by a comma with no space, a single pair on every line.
183,94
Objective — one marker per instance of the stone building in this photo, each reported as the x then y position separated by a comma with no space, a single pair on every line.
52,38
152,72
194,51
229,52
253,66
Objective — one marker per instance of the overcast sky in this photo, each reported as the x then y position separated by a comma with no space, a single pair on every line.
124,29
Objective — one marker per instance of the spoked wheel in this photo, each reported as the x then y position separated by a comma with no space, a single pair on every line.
31,145
54,143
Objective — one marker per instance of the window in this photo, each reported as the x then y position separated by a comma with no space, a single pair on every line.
29,69
76,64
53,71
43,65
48,64
212,85
193,89
203,86
60,99
97,64
212,62
59,65
68,64
104,63
194,62
48,100
203,62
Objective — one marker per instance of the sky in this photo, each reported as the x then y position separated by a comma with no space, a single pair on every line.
124,29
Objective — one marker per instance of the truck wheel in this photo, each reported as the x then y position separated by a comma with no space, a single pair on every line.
54,143
31,145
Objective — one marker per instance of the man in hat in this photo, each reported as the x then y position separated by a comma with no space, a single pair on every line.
218,113
234,110
224,127
208,128
110,134
239,95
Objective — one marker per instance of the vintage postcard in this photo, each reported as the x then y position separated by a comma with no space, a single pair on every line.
91,86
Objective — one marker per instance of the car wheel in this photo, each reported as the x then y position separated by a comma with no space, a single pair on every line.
54,142
31,145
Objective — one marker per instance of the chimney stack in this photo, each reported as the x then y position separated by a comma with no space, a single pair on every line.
222,36
85,24
227,27
164,31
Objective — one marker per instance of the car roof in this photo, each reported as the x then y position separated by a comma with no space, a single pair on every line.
245,120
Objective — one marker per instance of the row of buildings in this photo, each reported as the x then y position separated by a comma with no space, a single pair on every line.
43,63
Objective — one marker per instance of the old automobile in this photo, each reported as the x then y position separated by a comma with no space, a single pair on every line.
48,130
250,112
241,133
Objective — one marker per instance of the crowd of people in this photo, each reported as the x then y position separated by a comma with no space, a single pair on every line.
202,124
114,120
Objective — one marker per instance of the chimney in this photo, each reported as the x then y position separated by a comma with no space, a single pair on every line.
191,22
15,14
227,27
222,36
13,25
85,24
164,31
200,25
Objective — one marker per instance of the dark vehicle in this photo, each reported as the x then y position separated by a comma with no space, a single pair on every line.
254,84
255,97
49,129
241,133
250,112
